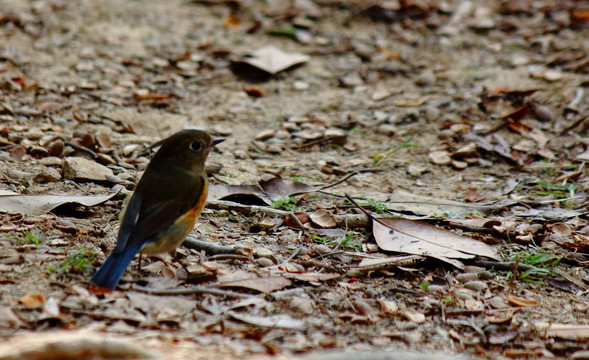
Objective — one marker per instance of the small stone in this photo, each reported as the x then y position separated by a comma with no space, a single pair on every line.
105,159
113,179
543,113
265,134
33,134
223,130
432,114
476,285
463,278
427,78
196,269
498,302
334,132
83,169
440,157
266,223
445,134
263,252
274,148
66,226
460,165
18,175
415,170
128,150
473,269
322,249
303,305
300,85
46,175
486,275
387,129
51,161
265,262
463,294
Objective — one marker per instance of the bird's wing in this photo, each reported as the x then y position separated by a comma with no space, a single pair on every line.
156,204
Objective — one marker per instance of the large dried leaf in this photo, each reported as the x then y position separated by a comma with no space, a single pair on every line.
244,280
14,203
243,194
277,187
274,321
424,205
414,237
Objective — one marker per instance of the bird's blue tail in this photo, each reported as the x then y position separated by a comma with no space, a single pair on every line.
114,266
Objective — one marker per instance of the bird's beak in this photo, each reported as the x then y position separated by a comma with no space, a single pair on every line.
217,141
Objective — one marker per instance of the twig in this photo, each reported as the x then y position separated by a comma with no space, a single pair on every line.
208,247
81,148
505,265
299,223
574,125
190,291
228,257
408,260
294,254
353,220
338,182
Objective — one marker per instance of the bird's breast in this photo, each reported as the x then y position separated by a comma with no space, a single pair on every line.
174,235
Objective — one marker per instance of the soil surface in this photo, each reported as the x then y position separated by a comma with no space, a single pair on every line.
470,116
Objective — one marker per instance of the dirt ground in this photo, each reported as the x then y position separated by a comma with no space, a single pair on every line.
469,115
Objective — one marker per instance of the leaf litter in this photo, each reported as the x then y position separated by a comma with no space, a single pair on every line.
500,171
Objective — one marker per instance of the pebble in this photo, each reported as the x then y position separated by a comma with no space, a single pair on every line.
463,294
445,134
128,149
463,278
223,130
264,262
387,129
303,305
498,302
46,175
106,159
274,148
473,269
33,134
300,85
263,252
51,161
427,78
460,165
415,170
265,134
432,114
476,285
17,174
543,113
84,169
440,157
580,355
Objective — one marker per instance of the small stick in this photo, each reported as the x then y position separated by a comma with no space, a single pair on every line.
190,291
208,247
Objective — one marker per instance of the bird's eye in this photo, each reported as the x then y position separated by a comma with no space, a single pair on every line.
196,146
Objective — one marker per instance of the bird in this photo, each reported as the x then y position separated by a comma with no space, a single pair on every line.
164,207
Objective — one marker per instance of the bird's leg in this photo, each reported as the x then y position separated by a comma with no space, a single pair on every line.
139,264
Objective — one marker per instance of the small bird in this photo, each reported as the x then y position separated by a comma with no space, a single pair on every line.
165,204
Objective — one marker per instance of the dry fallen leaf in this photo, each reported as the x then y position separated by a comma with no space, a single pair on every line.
245,280
323,218
33,300
520,301
14,203
414,237
273,60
